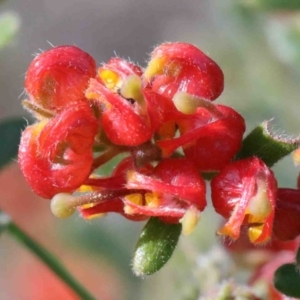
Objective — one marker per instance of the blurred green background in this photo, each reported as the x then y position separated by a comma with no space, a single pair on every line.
257,45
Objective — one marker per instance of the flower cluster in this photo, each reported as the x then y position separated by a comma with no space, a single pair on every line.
164,120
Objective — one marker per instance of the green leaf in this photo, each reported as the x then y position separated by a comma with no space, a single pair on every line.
273,4
287,280
10,133
261,142
9,25
155,246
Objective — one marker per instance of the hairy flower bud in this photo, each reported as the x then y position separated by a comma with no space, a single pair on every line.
183,67
58,77
210,138
56,156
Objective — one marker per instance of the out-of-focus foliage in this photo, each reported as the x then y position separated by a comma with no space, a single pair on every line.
273,4
9,25
283,34
10,131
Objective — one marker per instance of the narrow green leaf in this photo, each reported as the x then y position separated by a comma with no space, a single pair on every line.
9,25
10,133
155,246
261,142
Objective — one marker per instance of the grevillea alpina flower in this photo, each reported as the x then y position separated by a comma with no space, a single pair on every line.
100,195
58,77
175,191
182,67
245,192
172,191
287,221
210,137
129,114
56,156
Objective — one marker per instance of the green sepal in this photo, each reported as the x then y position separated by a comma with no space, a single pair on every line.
155,246
264,144
10,133
287,280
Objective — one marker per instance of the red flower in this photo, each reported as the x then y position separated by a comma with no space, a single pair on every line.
244,192
130,114
172,190
58,77
175,188
124,123
210,137
175,67
57,156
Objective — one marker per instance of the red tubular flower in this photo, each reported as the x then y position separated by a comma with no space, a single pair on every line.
58,77
172,191
245,193
130,114
175,190
287,221
132,120
57,156
183,67
112,189
209,138
123,122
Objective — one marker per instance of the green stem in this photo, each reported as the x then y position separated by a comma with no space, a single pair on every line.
50,260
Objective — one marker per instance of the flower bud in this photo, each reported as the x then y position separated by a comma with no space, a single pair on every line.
210,137
58,77
183,67
57,156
